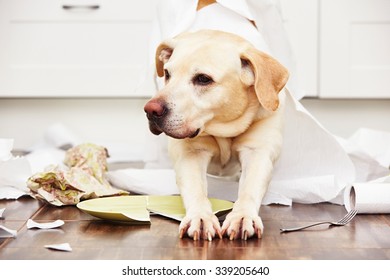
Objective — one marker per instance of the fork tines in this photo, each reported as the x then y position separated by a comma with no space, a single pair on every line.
347,218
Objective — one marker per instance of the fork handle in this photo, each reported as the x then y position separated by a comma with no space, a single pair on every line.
299,228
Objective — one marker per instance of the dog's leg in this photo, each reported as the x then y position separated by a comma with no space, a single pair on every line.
191,159
258,152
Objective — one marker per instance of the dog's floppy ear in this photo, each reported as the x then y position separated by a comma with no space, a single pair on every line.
163,53
266,74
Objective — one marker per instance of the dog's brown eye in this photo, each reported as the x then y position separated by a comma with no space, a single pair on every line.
202,79
166,74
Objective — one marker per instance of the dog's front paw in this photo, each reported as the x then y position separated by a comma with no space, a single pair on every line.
242,224
200,226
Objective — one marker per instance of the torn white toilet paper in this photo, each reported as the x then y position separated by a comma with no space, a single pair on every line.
14,172
60,247
6,232
6,146
50,225
369,151
57,135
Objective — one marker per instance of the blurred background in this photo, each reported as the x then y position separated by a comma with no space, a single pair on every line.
78,64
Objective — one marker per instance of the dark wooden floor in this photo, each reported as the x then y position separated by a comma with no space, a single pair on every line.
366,237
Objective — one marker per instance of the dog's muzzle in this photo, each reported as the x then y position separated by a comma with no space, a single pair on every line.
155,112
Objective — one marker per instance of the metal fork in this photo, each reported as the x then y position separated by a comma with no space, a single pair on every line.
345,220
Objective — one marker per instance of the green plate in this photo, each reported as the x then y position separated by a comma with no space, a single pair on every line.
136,209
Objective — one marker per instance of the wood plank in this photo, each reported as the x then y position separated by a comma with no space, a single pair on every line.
366,237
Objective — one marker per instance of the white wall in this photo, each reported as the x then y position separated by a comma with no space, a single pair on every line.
96,120
343,117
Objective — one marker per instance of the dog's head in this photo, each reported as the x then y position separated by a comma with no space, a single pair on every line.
211,78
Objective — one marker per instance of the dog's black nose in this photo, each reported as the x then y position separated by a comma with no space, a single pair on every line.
155,109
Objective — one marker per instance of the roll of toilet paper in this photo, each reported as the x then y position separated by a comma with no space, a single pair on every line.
369,198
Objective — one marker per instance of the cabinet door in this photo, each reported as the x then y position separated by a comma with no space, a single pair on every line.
355,49
301,21
51,48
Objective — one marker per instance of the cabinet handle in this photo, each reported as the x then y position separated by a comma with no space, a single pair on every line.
81,7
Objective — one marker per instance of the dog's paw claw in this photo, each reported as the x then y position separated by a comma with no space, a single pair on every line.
196,236
220,234
200,227
259,233
240,225
244,235
232,235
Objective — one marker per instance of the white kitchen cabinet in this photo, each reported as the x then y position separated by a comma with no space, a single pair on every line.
73,48
300,18
354,49
100,48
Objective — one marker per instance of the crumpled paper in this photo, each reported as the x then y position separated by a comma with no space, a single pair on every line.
90,158
83,177
13,172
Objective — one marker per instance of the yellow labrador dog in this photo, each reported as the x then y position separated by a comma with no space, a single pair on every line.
222,109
